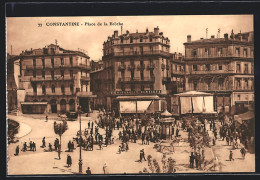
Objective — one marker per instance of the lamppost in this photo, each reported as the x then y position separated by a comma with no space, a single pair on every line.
80,159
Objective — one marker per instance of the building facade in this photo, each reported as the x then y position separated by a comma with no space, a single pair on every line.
54,80
134,65
11,83
223,66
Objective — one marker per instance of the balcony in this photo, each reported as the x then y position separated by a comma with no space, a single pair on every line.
130,67
139,53
176,73
50,94
57,66
85,94
166,79
150,66
55,78
140,67
219,56
136,79
121,67
214,88
84,78
230,71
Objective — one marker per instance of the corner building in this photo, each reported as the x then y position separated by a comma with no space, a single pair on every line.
224,67
54,80
136,67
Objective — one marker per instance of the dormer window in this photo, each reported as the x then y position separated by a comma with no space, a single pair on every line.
141,39
122,39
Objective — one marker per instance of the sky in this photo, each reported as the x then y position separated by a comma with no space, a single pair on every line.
23,33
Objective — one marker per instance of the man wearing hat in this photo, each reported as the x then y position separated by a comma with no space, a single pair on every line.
88,171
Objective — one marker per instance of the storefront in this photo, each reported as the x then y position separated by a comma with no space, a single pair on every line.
194,102
139,104
34,107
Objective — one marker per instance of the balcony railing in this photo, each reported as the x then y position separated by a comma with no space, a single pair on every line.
131,67
136,79
166,79
47,66
219,56
150,66
50,94
214,72
140,67
122,67
84,78
139,53
84,94
55,78
174,73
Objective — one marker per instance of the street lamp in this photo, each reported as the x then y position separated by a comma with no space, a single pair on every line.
80,159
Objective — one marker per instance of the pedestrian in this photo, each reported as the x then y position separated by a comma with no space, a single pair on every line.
50,147
24,147
43,142
143,137
46,118
177,132
33,146
88,124
243,152
141,155
105,168
17,150
147,139
69,160
191,160
69,146
88,171
231,156
72,146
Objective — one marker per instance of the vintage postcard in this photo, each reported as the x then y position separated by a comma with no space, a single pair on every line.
130,94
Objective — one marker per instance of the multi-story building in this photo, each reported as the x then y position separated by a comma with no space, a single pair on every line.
54,80
136,67
223,66
11,83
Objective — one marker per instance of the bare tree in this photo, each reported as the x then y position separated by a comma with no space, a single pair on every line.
59,129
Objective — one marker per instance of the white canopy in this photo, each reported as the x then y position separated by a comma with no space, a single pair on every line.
194,93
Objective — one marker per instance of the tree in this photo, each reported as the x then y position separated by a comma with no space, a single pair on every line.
59,129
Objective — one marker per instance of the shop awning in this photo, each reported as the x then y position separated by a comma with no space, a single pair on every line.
194,93
34,103
245,116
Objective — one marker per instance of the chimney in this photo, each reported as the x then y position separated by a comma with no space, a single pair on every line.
127,32
147,30
226,36
161,33
189,38
115,34
212,37
156,30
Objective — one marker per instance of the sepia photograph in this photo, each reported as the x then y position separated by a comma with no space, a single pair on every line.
157,94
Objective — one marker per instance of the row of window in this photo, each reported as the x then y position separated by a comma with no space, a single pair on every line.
53,88
133,86
220,67
52,73
52,61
